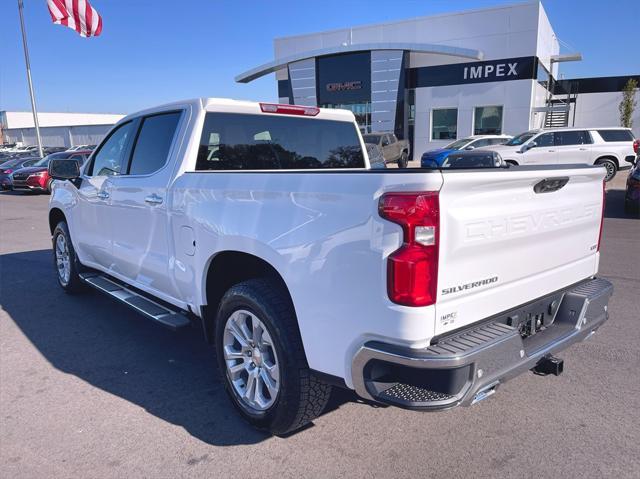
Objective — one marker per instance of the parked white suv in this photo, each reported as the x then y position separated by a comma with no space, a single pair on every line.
423,289
609,147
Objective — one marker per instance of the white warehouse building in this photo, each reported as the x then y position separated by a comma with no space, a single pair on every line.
56,129
438,78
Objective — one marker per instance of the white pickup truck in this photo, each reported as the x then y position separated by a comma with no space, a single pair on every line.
423,289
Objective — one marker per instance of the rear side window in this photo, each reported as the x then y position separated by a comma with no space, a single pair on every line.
151,150
564,138
616,135
232,141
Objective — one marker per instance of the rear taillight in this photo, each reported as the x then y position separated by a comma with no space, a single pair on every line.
636,145
604,198
289,109
412,270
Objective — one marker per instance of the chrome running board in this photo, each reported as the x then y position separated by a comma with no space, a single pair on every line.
173,319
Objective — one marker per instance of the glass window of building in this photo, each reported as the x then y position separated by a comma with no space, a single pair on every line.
487,120
444,124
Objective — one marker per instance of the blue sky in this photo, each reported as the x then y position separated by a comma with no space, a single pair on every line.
154,51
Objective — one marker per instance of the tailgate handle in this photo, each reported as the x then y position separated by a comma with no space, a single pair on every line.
550,184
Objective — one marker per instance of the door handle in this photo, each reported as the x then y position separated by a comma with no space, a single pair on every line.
103,195
583,149
551,151
153,199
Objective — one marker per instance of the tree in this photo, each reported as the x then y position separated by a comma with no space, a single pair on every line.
628,103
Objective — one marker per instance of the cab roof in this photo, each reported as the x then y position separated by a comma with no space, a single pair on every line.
249,107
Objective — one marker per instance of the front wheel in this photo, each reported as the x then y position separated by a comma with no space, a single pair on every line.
65,260
404,160
261,358
611,168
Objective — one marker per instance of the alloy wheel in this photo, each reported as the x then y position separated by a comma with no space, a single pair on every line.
62,259
251,361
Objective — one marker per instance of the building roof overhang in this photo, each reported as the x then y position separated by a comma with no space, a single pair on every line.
280,63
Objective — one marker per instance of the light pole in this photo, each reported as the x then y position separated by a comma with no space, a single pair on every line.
33,98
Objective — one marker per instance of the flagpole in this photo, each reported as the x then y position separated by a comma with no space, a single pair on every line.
33,98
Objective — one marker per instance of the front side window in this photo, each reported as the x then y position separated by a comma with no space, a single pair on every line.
109,159
565,138
152,146
544,140
233,141
487,120
444,124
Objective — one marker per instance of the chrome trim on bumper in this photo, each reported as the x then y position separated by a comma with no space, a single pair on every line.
493,351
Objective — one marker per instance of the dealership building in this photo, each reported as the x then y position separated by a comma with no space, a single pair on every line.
438,78
56,129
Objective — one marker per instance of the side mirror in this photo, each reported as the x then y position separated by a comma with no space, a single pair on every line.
631,159
64,169
528,146
469,148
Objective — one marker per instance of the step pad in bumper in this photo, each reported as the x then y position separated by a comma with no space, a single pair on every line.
469,365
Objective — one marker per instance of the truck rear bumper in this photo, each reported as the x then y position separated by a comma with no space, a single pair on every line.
468,365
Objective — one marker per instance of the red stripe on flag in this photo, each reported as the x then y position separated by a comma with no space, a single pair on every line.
76,16
88,19
53,17
99,29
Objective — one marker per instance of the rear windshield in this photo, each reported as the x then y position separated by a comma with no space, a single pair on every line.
375,139
456,145
477,160
232,141
616,135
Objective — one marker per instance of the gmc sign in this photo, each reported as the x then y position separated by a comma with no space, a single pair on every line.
347,85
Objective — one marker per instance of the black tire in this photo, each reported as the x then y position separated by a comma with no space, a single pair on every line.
511,163
301,396
404,160
611,167
73,284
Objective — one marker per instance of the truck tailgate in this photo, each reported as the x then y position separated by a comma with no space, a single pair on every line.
502,244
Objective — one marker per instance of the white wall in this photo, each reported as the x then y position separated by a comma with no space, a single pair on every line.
59,136
601,109
24,119
547,43
515,96
500,32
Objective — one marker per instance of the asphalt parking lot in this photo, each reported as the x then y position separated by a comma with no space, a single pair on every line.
90,389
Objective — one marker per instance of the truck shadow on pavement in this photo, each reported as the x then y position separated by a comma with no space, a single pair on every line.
171,375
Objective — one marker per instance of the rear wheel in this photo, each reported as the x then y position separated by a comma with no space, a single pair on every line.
404,160
262,361
611,168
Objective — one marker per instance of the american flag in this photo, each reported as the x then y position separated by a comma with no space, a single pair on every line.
78,15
